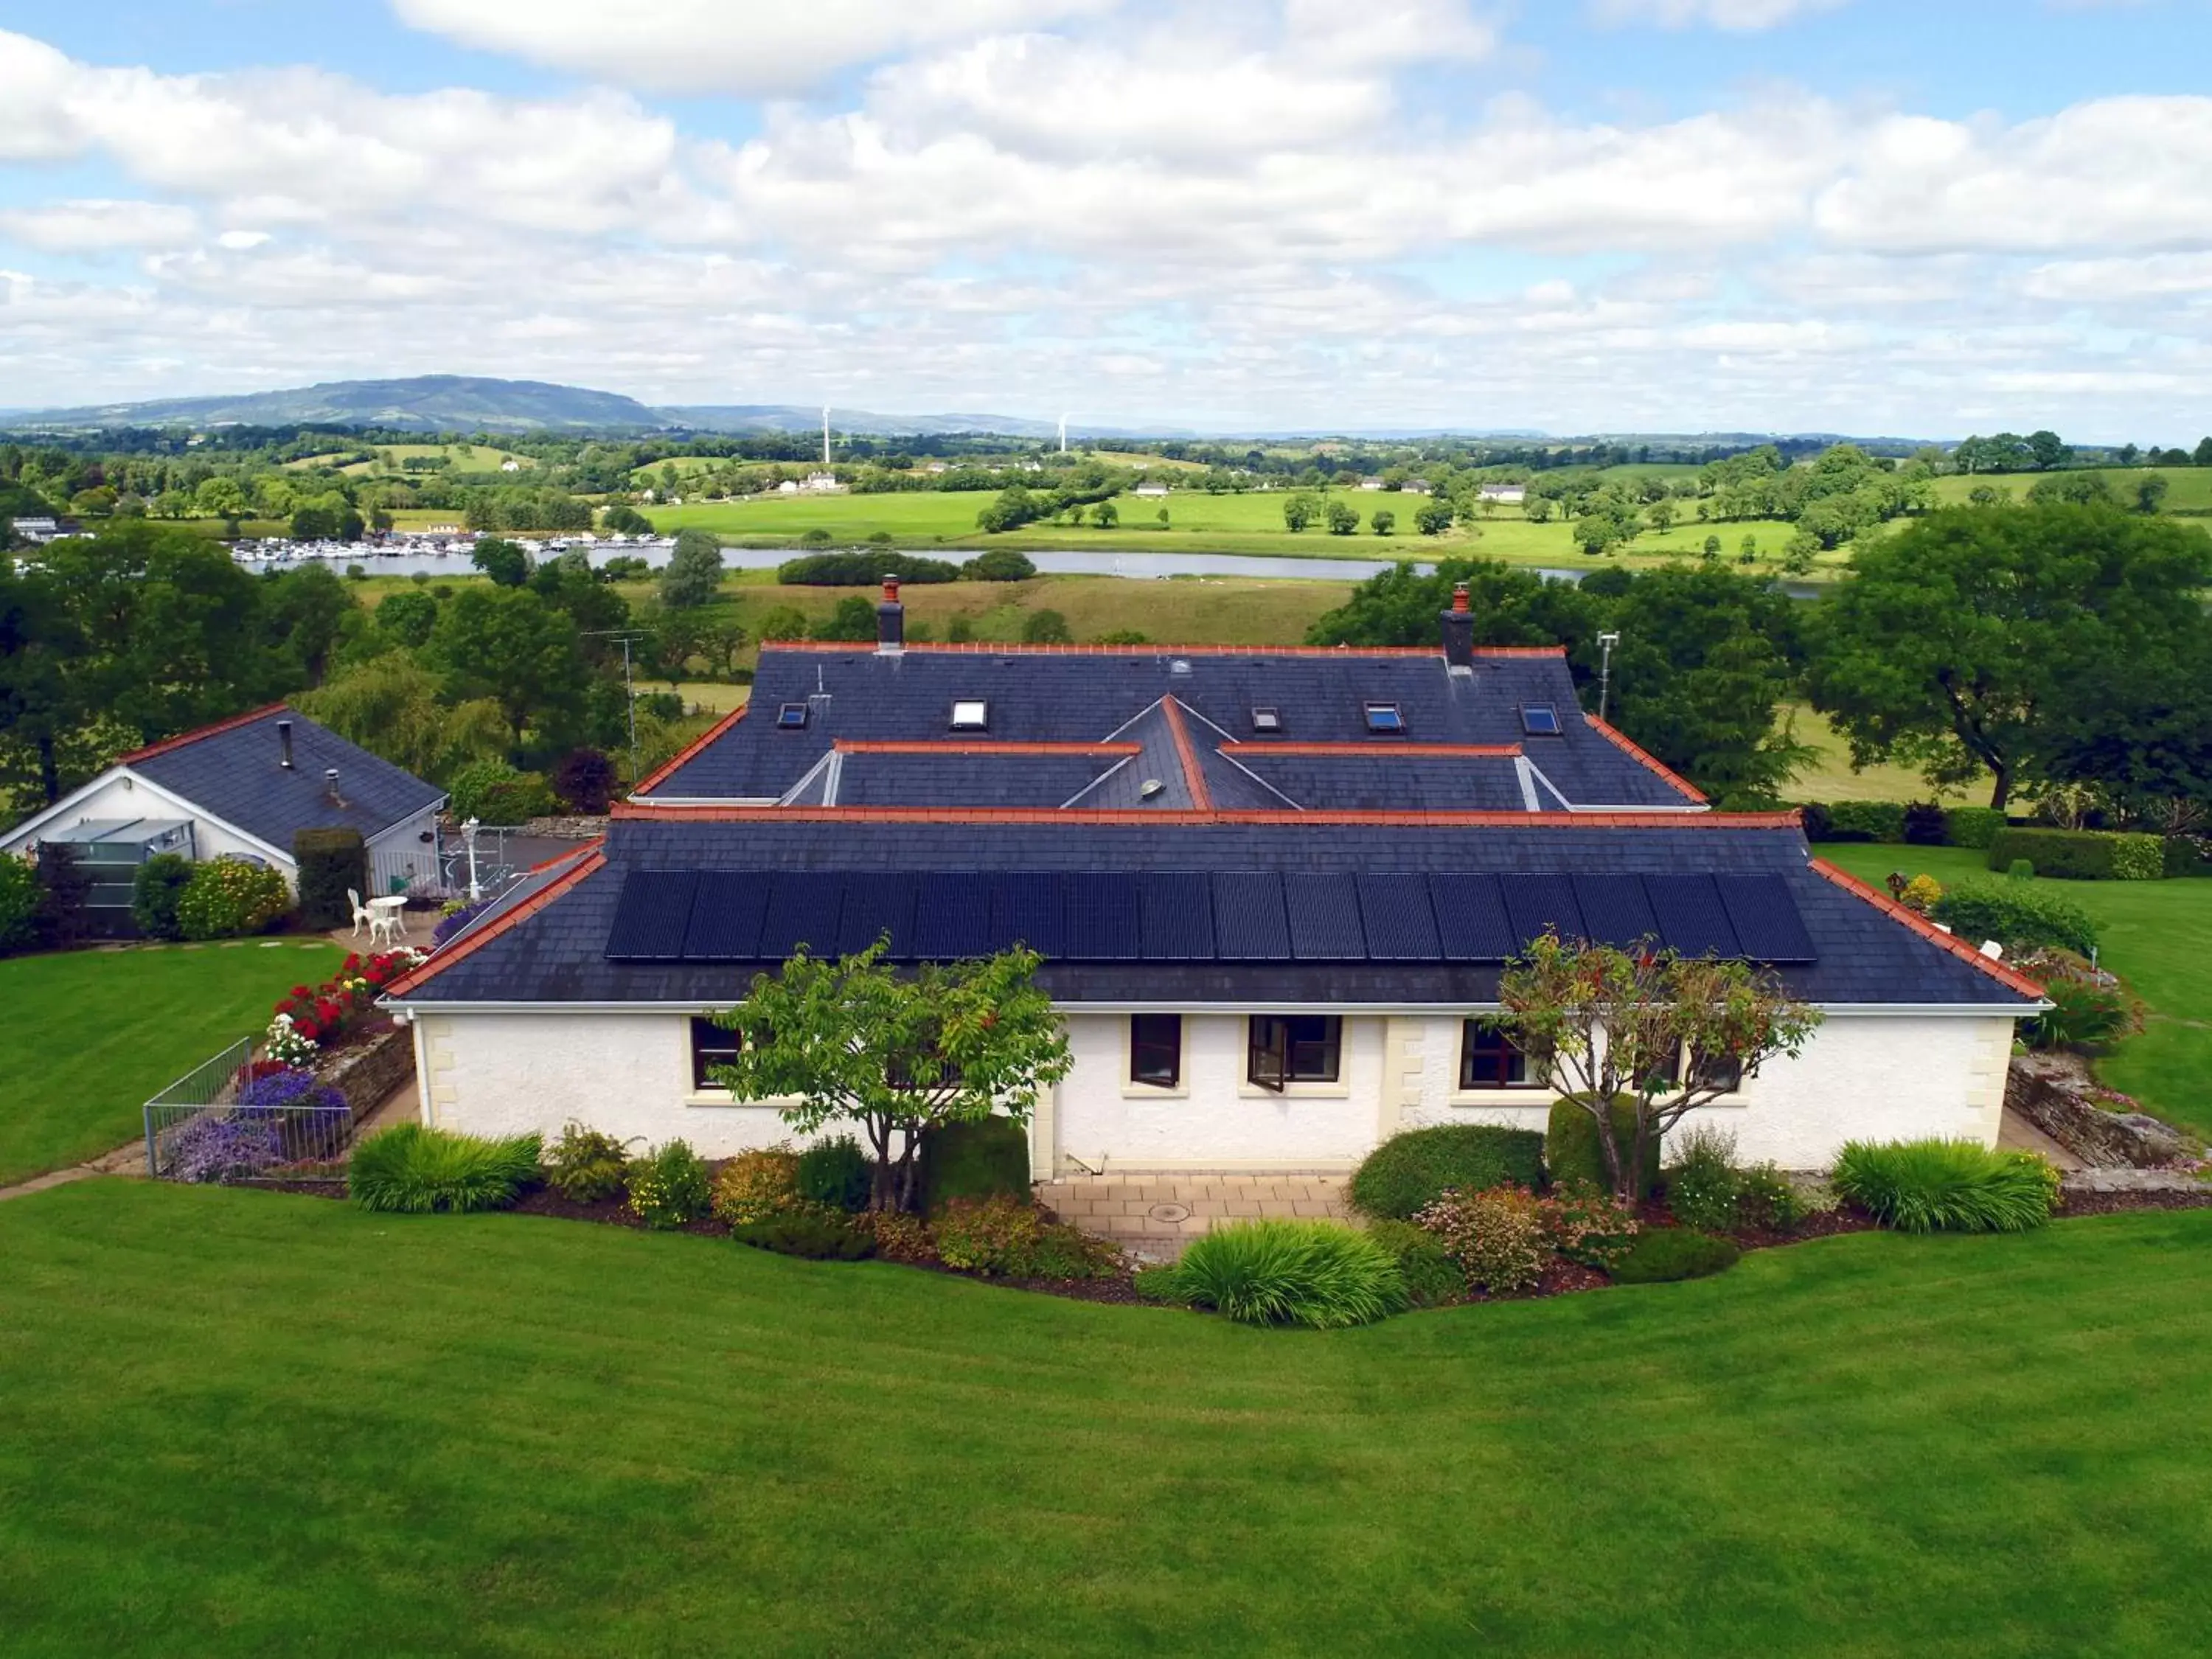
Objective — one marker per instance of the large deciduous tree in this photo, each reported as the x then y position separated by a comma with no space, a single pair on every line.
507,644
898,1054
1670,1033
1956,645
693,575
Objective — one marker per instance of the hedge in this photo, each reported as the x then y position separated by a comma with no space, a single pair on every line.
1974,826
332,861
156,891
2081,854
861,569
1407,1172
2018,915
1573,1152
1919,822
2188,855
983,1159
228,897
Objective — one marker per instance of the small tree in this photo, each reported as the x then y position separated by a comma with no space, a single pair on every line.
693,575
1671,1033
1384,521
952,1042
1342,518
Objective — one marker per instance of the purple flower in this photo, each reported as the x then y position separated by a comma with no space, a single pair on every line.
293,1088
212,1148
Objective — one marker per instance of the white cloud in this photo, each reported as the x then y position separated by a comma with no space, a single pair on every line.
1737,16
2121,282
723,46
93,226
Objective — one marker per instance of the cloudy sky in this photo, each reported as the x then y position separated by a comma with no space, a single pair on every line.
1920,219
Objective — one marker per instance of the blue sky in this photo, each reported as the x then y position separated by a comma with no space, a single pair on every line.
1595,214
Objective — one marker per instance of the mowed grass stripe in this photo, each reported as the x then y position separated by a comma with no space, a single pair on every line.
249,1422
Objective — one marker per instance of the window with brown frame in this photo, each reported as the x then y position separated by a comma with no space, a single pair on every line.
1156,1049
1287,1048
712,1045
1490,1059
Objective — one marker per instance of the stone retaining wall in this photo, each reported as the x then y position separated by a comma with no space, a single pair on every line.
366,1075
2048,1095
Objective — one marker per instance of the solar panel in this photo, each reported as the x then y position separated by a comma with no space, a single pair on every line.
725,917
1472,925
1249,924
1324,918
1542,903
1175,914
1102,917
1399,925
1692,919
878,903
651,916
1025,909
1540,720
802,909
953,917
1615,911
1767,924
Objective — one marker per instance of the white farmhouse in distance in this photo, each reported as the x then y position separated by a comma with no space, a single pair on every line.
1506,495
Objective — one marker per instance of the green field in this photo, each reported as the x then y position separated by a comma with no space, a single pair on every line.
2157,935
90,1034
246,1423
2188,488
1830,776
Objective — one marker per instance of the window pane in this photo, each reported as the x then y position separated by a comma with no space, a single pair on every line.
1156,1049
1312,1051
1490,1059
1719,1072
1268,1064
711,1046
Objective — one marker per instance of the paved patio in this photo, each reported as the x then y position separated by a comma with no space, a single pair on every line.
1156,1214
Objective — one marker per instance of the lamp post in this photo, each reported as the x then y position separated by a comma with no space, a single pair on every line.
1605,642
469,837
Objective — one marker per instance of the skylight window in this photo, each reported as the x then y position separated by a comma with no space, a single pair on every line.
1385,717
1540,719
790,716
971,714
1266,719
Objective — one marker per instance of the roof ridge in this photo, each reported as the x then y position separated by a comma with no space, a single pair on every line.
591,856
1201,798
691,751
1652,818
1385,747
1919,924
992,648
186,739
971,746
1635,750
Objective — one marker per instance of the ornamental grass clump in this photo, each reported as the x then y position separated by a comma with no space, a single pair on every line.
1946,1186
1289,1273
415,1170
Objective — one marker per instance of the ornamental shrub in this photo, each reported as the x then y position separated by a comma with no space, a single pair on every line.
1431,1276
807,1233
1407,1172
492,791
584,781
1946,1186
1008,1237
754,1186
1926,824
2020,870
586,1167
1584,1226
1770,1201
986,1158
837,1174
19,904
2088,1009
415,1170
1921,893
1702,1188
331,862
1664,1254
229,899
1813,816
1291,1272
668,1186
899,1237
2081,854
1973,826
154,892
456,919
1496,1237
1572,1152
2018,915
1866,820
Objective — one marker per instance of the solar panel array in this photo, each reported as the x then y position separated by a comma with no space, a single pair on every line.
1401,915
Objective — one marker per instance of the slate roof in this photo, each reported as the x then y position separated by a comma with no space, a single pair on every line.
559,953
232,771
1038,696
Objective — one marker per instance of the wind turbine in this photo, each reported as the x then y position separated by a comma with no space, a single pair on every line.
825,437
1063,435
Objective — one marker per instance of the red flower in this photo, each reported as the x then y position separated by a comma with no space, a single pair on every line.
308,1029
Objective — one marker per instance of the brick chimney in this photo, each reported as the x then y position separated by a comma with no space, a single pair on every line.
1459,631
284,744
890,619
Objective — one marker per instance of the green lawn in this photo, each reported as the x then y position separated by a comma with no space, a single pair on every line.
242,1423
2157,935
89,1035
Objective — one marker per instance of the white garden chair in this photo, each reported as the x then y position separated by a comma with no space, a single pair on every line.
361,914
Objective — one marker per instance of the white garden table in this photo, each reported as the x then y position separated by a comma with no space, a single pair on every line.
388,918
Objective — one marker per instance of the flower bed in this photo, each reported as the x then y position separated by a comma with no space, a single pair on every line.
308,1021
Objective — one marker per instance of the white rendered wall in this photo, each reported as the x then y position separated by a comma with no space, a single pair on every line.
1876,1077
122,796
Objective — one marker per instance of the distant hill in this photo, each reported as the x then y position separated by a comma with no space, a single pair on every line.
793,417
427,402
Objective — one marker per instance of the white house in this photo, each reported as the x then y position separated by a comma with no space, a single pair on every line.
1151,489
1505,494
1273,891
243,788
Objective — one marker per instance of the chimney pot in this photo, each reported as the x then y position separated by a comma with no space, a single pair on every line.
890,619
1459,597
284,744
